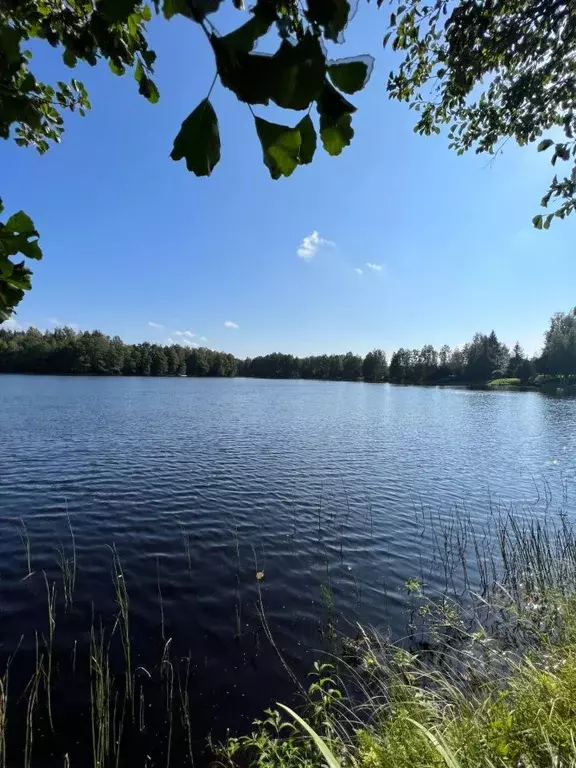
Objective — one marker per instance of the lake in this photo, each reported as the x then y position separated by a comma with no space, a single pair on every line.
325,490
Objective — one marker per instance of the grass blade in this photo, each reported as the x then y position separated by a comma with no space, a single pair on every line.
331,761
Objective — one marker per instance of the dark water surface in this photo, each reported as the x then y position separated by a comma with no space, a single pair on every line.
201,483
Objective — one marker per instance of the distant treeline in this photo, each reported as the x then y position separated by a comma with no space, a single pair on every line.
65,351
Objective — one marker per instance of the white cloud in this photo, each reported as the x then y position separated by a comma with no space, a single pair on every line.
152,324
230,324
359,271
188,334
310,244
203,338
62,324
181,342
11,325
374,267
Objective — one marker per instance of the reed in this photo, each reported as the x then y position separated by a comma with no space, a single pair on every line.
485,679
167,674
101,693
160,600
184,695
49,643
187,547
25,538
68,567
4,680
32,700
122,601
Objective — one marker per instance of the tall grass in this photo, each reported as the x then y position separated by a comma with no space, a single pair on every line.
187,546
25,538
32,705
101,693
485,676
482,680
49,643
167,674
184,695
3,716
123,604
68,566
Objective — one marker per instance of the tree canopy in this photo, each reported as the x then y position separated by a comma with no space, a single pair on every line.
490,71
484,357
486,70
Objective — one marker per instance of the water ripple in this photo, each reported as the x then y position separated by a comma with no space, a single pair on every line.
313,483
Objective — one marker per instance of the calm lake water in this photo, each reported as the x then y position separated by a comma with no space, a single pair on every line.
200,484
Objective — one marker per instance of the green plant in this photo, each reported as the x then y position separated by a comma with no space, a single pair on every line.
3,717
101,692
511,381
167,675
183,691
25,538
122,601
49,643
68,567
32,691
491,686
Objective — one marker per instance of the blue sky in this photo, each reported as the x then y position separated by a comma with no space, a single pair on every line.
135,245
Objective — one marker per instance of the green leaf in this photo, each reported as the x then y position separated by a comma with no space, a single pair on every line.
6,267
69,59
323,748
149,57
545,144
22,224
300,73
280,147
202,8
244,38
251,76
173,7
117,69
10,44
335,112
192,9
332,15
307,140
351,75
117,10
31,249
20,277
537,221
448,757
139,71
336,134
199,140
149,90
332,104
169,9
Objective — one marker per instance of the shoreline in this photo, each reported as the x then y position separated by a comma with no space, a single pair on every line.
548,388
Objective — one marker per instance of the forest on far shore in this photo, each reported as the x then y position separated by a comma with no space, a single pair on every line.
483,358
